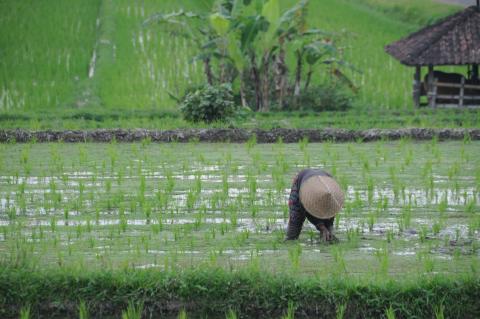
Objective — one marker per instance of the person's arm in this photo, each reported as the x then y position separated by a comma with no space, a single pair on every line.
297,212
324,226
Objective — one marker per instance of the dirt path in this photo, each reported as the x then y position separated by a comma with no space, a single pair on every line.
235,135
465,3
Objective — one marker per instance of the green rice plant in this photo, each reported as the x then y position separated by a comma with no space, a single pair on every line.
53,224
353,236
83,310
294,254
25,312
390,313
182,314
192,197
406,216
439,311
339,257
303,144
231,314
290,310
427,261
371,220
251,143
437,227
382,256
422,234
340,311
443,204
471,206
133,311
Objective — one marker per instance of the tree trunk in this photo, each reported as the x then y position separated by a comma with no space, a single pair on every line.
256,84
309,78
208,70
298,79
280,75
242,93
298,74
265,83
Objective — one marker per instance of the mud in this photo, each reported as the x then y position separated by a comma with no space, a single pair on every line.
235,135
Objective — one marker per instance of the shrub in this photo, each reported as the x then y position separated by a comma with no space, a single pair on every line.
325,97
208,104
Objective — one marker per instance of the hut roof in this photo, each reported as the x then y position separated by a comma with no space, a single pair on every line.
454,40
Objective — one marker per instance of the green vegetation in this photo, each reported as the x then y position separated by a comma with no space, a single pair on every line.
220,294
46,49
410,208
249,44
170,119
209,104
138,67
412,11
193,230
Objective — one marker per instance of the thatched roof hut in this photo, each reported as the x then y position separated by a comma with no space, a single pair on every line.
454,40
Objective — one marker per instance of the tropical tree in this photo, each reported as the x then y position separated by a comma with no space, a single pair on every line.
246,43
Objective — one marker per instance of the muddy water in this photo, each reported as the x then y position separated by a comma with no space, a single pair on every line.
178,205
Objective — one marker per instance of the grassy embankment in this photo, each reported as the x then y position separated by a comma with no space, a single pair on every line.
214,293
136,67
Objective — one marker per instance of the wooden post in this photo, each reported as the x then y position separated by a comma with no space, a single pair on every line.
432,98
417,83
475,71
462,93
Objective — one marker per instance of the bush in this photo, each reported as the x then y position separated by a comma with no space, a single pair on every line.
326,97
208,104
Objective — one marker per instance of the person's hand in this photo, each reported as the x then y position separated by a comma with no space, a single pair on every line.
326,235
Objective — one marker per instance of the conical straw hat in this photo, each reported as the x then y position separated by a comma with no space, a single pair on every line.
321,196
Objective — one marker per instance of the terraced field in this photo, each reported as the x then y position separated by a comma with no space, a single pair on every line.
411,207
115,72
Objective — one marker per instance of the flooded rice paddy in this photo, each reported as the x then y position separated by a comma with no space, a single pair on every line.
410,207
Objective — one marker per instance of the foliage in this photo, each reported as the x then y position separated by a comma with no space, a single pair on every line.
209,104
246,43
320,98
137,66
216,292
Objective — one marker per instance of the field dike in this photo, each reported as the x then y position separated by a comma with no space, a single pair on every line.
235,135
214,293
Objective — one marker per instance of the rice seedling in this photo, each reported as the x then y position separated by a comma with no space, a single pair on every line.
221,210
133,311
294,253
390,313
83,310
182,314
231,314
382,256
290,311
439,311
25,312
340,312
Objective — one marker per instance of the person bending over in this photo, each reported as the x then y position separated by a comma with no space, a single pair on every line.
315,195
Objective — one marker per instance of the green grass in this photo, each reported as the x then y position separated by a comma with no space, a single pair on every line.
171,119
46,47
214,293
411,11
137,67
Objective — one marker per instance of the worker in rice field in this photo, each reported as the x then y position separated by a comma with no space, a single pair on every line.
315,195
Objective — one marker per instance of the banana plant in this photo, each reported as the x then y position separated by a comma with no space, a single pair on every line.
245,43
